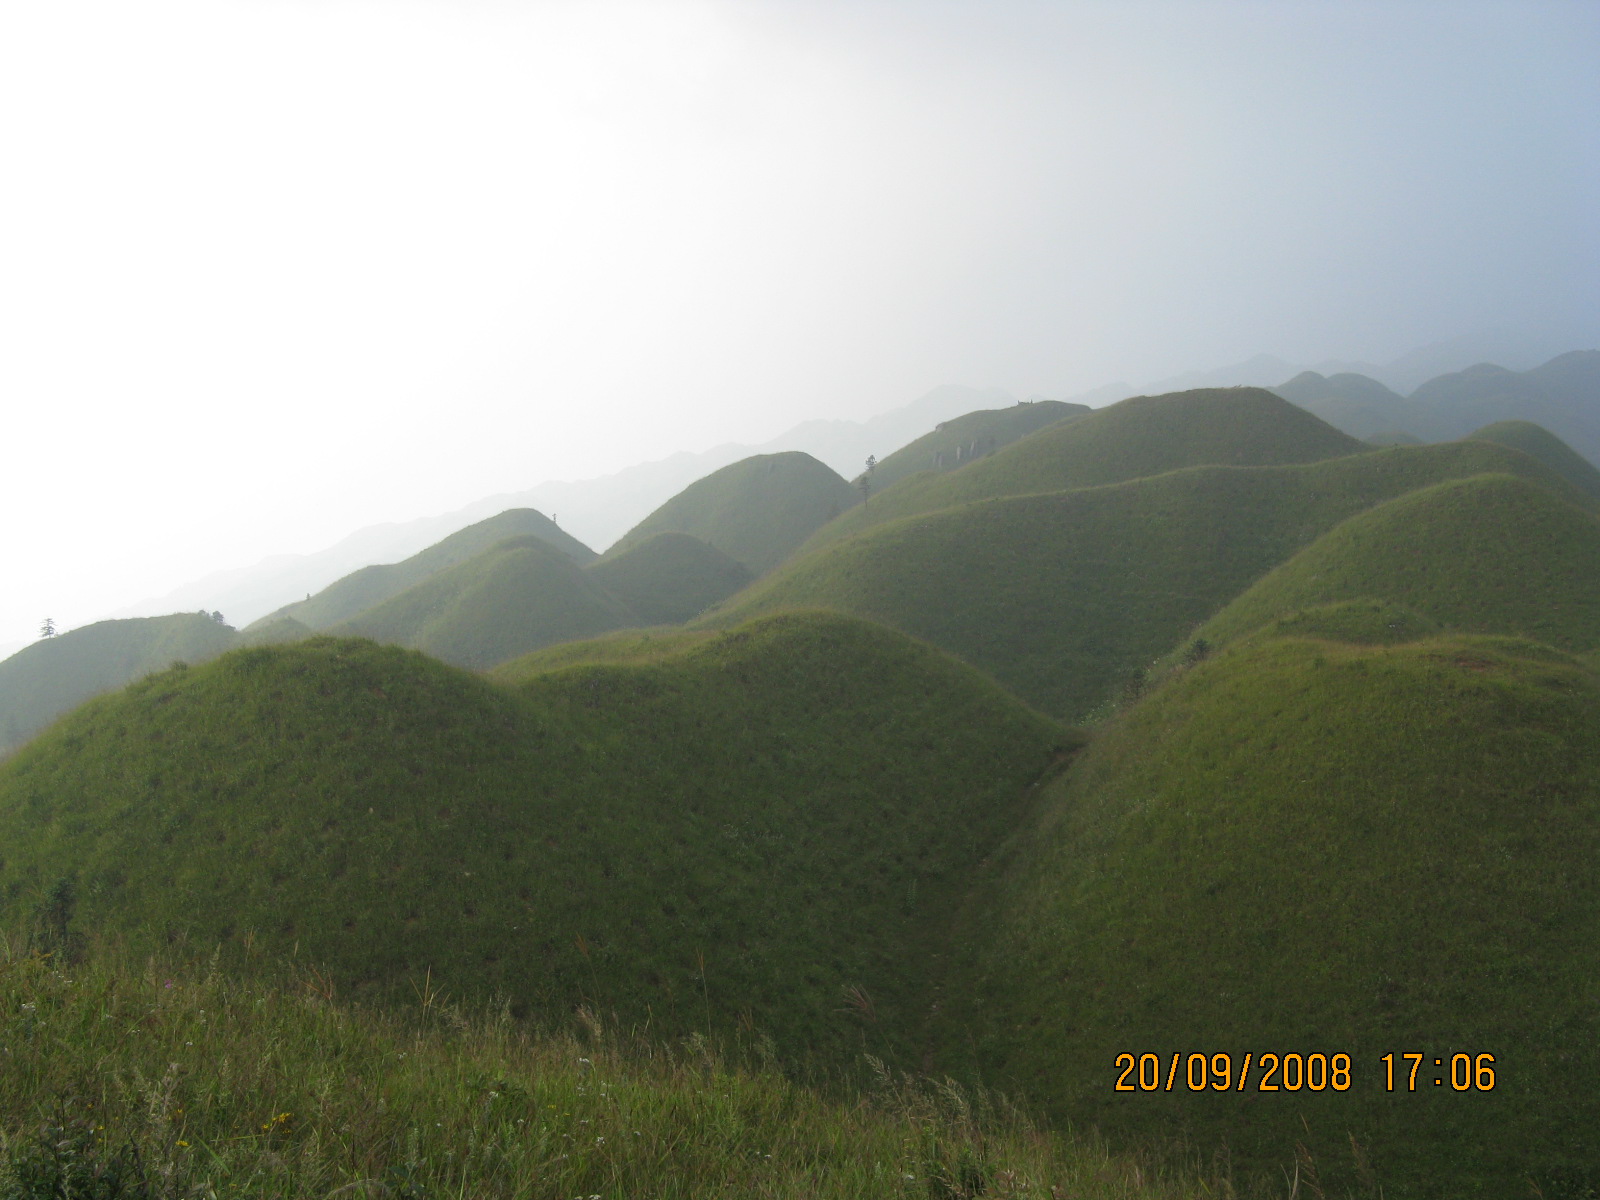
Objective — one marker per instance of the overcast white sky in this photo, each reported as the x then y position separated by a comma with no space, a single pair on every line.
271,270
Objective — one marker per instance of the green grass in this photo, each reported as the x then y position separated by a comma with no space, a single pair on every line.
967,438
1546,446
370,586
215,1086
514,597
1488,554
1146,435
669,578
1300,845
1065,598
756,511
43,680
768,831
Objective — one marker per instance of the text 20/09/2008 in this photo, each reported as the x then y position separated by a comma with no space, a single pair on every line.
1295,1072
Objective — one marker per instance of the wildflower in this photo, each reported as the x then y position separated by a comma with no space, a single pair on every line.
183,1144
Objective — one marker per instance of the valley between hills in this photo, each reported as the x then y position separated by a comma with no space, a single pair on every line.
1196,796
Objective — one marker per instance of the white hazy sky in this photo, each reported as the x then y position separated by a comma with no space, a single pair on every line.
271,270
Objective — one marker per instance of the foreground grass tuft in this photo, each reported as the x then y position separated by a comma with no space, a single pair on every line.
174,1080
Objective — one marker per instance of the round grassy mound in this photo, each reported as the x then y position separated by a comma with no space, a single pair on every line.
1306,847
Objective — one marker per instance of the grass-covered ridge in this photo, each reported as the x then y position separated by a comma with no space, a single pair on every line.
166,1081
518,595
1488,554
1066,597
1301,845
969,437
1546,446
756,511
1142,436
669,578
43,680
370,586
768,831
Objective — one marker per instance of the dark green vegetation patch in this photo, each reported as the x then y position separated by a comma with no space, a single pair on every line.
769,831
1312,847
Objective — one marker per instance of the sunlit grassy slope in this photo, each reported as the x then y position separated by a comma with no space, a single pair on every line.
1306,846
361,590
756,511
515,597
768,831
1542,444
41,681
969,437
669,578
1146,435
1065,597
1487,554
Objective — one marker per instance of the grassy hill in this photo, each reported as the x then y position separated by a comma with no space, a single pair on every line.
370,586
1146,435
967,438
768,832
40,682
517,596
669,578
1489,554
1064,598
1312,847
756,511
1562,396
1546,446
1361,406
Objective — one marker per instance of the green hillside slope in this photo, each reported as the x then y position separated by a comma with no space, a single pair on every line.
1562,396
1313,848
1490,554
768,832
41,681
361,590
517,596
1064,598
1145,435
1361,406
968,438
1546,446
669,578
756,511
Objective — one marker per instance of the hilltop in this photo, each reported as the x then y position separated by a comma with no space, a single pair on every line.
41,681
969,437
1546,446
518,595
755,511
1488,554
1313,847
1142,436
768,831
371,586
1066,598
669,578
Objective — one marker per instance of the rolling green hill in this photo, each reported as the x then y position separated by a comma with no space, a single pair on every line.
967,438
1546,446
1064,598
517,596
1307,847
1362,407
41,681
370,586
1562,396
1489,554
756,511
767,832
1146,435
669,578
